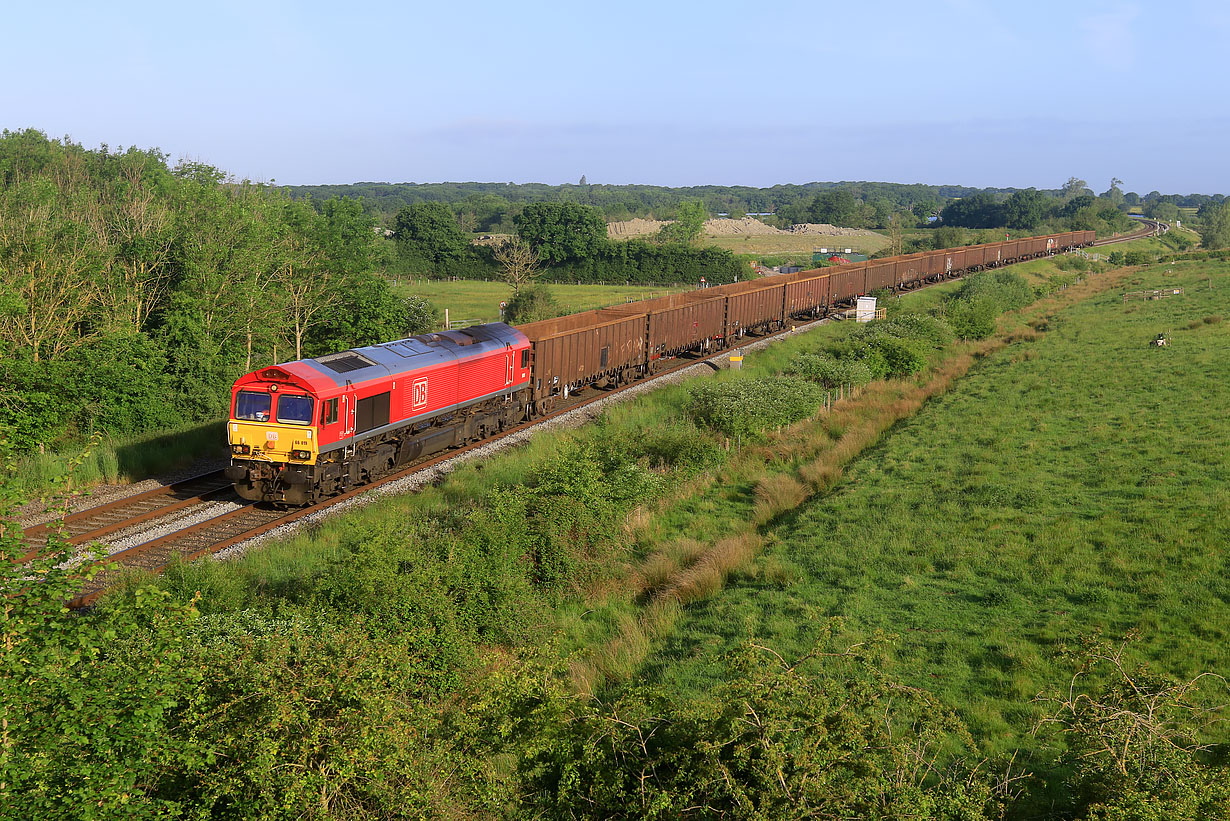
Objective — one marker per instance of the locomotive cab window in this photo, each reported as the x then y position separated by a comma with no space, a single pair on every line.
328,412
253,406
525,358
295,410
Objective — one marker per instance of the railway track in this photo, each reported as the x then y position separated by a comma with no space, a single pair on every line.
95,523
1149,227
249,520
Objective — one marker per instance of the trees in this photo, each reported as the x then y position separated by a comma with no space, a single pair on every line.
518,263
561,232
689,221
896,232
1114,194
836,207
980,210
1074,187
429,230
1072,206
368,312
1025,209
49,260
132,294
1162,210
1215,232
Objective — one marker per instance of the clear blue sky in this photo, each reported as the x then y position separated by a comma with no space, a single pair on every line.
1022,93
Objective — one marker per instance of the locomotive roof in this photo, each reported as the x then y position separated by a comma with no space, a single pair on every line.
426,350
391,359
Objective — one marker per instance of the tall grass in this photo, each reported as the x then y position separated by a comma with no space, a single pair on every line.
121,460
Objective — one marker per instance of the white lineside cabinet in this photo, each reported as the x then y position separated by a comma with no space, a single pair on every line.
866,309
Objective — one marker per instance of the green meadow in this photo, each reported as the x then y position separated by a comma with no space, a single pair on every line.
1071,486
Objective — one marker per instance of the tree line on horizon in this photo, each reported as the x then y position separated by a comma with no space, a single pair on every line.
490,207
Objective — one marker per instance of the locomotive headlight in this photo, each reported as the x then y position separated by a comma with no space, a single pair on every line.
301,455
242,450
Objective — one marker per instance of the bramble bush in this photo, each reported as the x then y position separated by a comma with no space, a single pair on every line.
972,319
775,740
680,446
748,407
972,310
532,304
1007,289
829,371
88,703
896,347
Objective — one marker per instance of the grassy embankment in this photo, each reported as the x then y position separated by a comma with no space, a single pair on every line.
688,457
1076,484
121,459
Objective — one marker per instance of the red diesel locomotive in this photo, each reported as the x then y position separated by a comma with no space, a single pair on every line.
303,430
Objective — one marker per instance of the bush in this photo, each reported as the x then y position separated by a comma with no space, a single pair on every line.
750,406
903,357
972,319
771,741
532,304
1056,282
828,371
1139,258
1007,289
1116,258
919,327
1073,263
680,446
651,263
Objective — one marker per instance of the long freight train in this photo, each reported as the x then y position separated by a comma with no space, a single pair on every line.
304,430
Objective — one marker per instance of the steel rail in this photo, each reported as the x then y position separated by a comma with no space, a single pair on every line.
91,524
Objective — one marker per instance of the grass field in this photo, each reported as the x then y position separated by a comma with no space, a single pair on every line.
480,301
1071,486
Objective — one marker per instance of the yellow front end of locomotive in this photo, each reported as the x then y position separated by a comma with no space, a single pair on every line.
262,441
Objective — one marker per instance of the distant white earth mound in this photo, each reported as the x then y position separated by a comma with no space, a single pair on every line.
730,228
